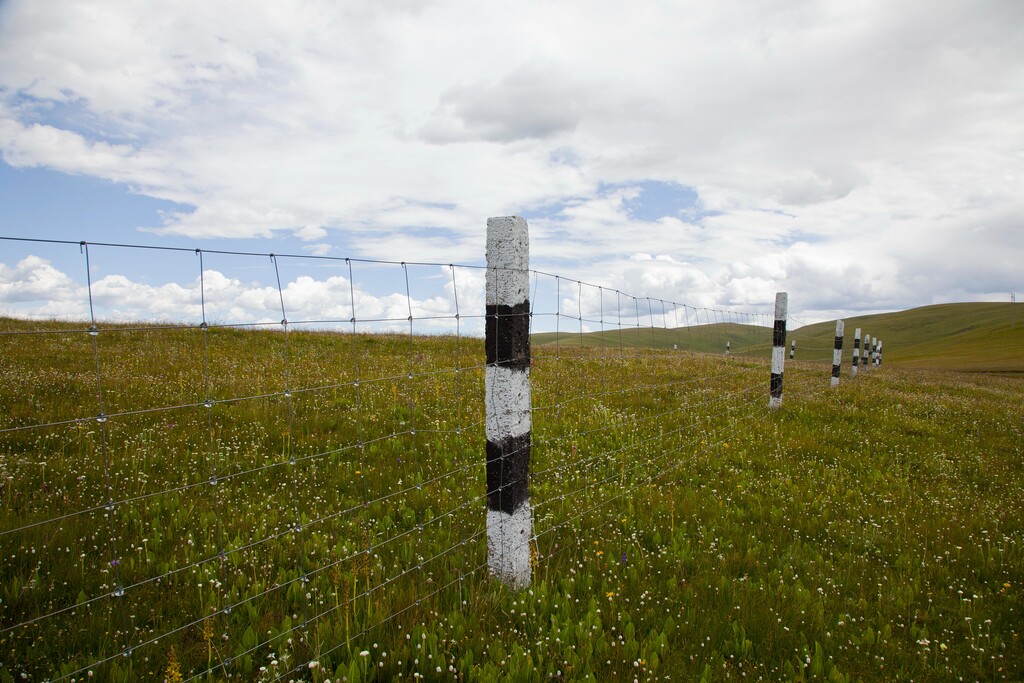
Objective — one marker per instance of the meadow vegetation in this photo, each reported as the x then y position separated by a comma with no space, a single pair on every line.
245,504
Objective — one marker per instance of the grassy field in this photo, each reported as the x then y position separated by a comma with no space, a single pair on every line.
966,337
310,506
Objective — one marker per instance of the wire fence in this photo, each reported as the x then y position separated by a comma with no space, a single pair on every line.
292,457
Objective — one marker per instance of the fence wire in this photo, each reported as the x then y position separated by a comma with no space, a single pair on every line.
239,484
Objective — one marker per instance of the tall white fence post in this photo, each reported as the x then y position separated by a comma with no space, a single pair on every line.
778,350
792,350
879,354
856,351
727,345
507,397
837,352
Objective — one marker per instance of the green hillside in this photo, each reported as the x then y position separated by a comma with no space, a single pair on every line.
969,337
704,338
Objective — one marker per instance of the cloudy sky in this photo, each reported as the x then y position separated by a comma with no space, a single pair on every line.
863,156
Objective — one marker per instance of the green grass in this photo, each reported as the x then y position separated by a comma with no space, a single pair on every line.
868,532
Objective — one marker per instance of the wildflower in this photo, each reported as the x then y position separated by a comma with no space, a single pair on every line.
364,653
173,672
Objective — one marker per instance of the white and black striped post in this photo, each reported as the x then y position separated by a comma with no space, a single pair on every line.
507,337
778,350
879,354
856,351
837,352
874,352
727,348
792,350
865,362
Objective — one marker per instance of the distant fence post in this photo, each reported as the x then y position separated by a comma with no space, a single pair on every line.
879,354
856,351
876,351
865,362
727,348
792,350
778,350
507,398
837,352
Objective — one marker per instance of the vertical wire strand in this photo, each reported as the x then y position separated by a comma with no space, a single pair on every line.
603,361
367,544
101,420
298,526
459,443
411,406
215,496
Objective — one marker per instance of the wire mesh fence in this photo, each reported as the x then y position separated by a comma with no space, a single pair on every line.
291,455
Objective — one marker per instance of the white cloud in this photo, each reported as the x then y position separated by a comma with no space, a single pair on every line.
826,140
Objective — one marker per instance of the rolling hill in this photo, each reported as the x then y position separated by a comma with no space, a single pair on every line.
967,337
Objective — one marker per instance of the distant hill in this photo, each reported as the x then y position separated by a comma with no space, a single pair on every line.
703,338
968,337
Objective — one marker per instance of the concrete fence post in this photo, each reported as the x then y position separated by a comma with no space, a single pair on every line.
874,352
837,352
778,350
507,397
856,351
727,344
879,354
865,362
792,350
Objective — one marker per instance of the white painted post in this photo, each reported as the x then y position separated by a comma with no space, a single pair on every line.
837,352
507,397
856,351
778,350
879,354
792,350
727,344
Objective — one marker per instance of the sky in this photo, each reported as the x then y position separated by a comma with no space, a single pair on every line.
862,156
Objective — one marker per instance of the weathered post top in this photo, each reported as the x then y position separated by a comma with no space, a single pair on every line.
508,255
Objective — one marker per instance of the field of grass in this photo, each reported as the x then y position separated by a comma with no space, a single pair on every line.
253,505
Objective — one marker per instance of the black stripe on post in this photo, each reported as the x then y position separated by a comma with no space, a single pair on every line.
510,348
779,333
508,465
